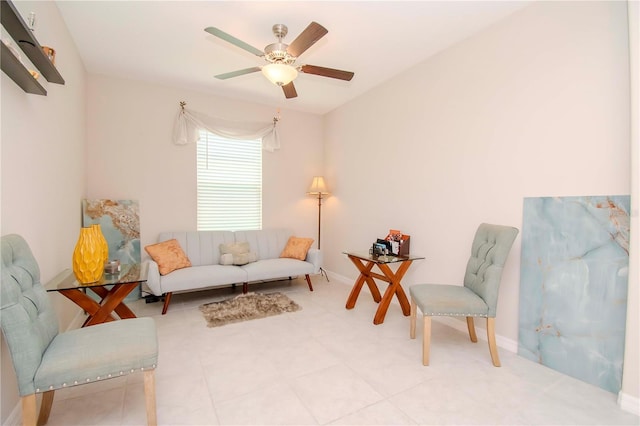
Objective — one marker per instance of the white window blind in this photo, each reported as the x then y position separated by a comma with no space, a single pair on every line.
229,183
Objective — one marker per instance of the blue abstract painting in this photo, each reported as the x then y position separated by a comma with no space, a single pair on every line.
573,286
120,224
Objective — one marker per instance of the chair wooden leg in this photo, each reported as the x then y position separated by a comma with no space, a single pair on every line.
412,319
308,282
29,410
45,407
150,397
472,329
245,288
426,340
491,337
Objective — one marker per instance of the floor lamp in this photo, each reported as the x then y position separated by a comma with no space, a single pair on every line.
319,189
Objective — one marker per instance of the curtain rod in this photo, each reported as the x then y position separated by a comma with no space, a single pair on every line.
276,117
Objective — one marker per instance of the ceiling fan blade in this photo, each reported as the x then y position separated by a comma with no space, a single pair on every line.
231,39
327,72
306,39
237,73
289,91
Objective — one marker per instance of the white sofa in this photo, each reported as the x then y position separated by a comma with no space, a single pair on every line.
203,250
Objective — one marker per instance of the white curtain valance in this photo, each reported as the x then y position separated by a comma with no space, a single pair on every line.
188,123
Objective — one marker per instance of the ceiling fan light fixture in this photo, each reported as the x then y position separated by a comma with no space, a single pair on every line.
280,74
280,68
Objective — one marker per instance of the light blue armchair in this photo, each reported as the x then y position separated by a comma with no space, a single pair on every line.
478,297
46,360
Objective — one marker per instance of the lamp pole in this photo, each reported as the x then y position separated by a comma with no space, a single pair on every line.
319,188
319,216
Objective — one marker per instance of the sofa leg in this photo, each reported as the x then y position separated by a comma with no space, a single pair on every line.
167,299
245,288
309,282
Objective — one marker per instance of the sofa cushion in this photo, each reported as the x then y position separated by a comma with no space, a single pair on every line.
202,277
234,248
297,248
244,258
236,254
237,259
168,255
266,243
202,247
276,268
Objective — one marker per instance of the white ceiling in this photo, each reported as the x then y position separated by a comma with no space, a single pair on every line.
165,42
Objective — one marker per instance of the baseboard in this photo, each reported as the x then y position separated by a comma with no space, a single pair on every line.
502,342
629,403
15,418
340,278
77,321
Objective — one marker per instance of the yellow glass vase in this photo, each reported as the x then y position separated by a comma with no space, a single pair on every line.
87,258
103,242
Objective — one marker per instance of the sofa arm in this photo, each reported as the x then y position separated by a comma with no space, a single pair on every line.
153,278
314,256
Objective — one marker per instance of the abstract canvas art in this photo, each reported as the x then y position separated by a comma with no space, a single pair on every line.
120,224
573,286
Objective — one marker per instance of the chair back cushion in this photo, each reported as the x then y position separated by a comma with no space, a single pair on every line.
489,251
28,320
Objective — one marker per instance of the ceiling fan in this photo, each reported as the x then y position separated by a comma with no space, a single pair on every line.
281,69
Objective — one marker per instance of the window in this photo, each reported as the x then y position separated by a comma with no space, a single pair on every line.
229,183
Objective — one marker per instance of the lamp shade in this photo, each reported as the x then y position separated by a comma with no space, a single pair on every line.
280,74
318,187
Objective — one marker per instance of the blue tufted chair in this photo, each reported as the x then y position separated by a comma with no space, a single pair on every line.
479,295
46,360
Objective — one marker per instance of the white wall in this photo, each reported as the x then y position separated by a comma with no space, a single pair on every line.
130,155
536,105
43,168
629,397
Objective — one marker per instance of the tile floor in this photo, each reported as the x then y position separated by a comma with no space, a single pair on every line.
327,365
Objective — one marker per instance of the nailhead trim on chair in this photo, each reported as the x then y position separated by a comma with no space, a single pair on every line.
64,385
440,314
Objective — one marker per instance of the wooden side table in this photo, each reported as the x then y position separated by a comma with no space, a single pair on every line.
365,264
112,290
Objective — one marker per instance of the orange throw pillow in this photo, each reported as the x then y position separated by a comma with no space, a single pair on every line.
297,248
168,255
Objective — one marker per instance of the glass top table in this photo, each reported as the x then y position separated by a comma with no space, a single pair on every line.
382,258
110,288
365,262
65,280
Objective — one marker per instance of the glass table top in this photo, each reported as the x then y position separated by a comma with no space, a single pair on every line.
382,258
129,273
